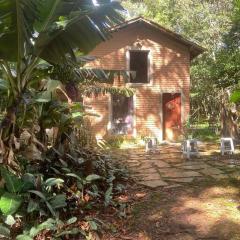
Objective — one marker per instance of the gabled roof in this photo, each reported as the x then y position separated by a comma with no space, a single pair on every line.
194,48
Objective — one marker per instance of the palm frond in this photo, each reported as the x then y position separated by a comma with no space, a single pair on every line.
99,89
54,29
81,26
72,72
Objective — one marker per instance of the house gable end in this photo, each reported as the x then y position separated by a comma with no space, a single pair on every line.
194,48
112,54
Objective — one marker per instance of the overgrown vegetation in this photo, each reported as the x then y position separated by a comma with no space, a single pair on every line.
55,177
78,183
204,132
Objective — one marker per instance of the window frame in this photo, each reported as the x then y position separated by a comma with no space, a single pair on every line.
149,67
111,117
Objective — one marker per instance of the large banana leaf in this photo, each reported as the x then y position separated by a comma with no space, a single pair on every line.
98,89
82,26
53,29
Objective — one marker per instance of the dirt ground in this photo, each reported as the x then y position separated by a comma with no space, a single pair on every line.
207,210
204,209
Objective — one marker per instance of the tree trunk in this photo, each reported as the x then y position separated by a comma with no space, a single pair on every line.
229,126
8,123
7,130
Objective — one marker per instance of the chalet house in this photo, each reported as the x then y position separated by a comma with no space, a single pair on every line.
158,61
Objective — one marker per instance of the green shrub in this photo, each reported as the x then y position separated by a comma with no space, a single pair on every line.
115,141
54,190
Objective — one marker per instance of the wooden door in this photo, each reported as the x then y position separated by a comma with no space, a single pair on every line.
171,116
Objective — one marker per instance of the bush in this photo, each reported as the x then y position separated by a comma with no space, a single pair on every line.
122,141
205,134
115,141
54,196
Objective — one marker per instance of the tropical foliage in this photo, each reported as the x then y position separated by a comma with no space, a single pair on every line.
54,174
34,33
81,183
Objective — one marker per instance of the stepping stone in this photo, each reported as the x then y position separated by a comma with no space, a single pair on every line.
149,177
217,164
235,175
137,159
190,163
154,183
149,171
173,186
145,171
161,164
220,176
232,166
133,163
211,171
181,180
173,161
195,167
132,168
176,173
145,165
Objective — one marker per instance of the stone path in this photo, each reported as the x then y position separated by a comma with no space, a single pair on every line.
167,167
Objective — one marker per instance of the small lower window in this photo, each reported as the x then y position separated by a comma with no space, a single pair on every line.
122,114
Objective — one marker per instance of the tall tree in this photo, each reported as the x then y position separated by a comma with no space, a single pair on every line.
229,74
202,21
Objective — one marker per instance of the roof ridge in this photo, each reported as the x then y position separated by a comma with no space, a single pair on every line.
171,33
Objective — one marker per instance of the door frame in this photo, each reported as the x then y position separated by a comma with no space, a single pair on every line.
182,107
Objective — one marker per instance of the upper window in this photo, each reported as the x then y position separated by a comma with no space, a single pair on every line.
139,66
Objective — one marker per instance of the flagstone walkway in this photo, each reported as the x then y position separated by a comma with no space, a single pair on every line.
167,167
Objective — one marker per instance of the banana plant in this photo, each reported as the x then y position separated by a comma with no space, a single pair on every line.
80,81
55,31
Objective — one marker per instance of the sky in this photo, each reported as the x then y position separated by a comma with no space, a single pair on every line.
95,2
